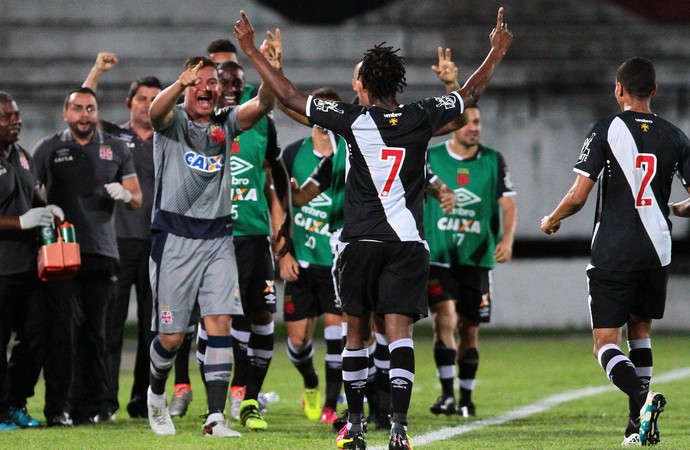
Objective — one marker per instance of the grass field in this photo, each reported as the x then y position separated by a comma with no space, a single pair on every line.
517,370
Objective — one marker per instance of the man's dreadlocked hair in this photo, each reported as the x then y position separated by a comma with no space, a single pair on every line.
383,72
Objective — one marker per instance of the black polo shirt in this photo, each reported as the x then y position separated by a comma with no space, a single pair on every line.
17,184
75,177
136,223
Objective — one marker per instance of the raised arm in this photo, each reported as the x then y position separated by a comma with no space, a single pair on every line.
161,111
105,61
282,88
476,84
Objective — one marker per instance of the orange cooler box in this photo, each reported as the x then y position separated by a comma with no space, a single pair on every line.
58,261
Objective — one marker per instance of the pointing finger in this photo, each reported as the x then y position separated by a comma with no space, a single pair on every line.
197,68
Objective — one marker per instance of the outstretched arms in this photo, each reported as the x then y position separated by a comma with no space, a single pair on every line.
284,90
476,84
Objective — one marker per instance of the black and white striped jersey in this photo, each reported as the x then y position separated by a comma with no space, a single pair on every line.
385,168
634,156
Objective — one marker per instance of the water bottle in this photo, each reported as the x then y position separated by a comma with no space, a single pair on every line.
48,235
67,232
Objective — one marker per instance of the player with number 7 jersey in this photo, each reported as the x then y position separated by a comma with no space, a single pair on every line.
384,189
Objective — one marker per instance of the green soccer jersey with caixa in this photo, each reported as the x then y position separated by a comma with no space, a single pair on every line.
247,153
469,233
311,232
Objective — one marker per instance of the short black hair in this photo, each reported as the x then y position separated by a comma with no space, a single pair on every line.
6,97
326,93
81,90
230,65
194,60
637,76
383,71
149,81
221,45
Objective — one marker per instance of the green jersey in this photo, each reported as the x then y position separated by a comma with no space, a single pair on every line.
468,235
247,154
312,222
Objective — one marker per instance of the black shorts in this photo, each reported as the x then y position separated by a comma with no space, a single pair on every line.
256,273
384,277
311,295
468,286
613,296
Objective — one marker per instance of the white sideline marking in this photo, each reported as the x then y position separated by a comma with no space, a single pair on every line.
534,408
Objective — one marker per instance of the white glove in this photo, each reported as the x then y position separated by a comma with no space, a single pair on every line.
36,217
118,192
56,211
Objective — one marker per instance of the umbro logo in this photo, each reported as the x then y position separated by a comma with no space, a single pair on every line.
399,383
321,200
359,385
466,197
238,165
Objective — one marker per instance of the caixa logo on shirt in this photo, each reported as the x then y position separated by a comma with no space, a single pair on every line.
203,163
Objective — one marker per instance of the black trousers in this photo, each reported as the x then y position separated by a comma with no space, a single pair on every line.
19,310
75,369
134,271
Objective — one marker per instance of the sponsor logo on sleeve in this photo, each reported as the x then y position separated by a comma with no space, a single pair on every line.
327,105
584,153
446,101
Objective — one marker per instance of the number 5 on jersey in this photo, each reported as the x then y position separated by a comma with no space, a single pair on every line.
397,155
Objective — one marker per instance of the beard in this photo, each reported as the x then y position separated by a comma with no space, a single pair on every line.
81,132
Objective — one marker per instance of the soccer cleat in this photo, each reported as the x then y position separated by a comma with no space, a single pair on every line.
180,401
8,425
631,441
443,405
352,441
60,420
21,417
328,415
250,416
311,403
236,397
399,440
160,419
649,414
136,408
219,429
467,410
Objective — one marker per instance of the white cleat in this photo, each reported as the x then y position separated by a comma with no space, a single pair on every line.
220,429
159,417
631,441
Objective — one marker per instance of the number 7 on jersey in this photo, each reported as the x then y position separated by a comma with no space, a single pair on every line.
397,154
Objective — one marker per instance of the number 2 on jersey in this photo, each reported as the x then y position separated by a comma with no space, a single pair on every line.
646,164
397,154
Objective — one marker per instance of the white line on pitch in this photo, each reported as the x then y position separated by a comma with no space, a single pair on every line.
534,408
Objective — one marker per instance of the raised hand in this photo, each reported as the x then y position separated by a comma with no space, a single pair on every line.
244,33
501,37
272,49
105,61
446,70
190,77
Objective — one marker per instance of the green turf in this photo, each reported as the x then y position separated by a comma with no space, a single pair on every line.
517,369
